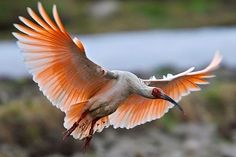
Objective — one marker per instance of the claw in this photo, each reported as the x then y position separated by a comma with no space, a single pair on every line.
87,141
89,137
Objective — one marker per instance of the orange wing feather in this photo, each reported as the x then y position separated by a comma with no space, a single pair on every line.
138,110
59,64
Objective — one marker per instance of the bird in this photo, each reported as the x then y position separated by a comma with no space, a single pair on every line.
93,97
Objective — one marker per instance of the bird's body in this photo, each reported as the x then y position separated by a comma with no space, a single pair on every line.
107,100
92,97
110,97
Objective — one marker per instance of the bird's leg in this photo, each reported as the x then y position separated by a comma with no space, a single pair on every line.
89,137
74,126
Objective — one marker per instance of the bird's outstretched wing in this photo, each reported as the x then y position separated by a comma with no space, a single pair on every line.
137,110
57,62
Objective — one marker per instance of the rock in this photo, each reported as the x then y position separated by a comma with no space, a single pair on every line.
12,151
198,140
185,140
228,150
234,136
129,148
203,132
195,148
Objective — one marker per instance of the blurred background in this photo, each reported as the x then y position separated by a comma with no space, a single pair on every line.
145,37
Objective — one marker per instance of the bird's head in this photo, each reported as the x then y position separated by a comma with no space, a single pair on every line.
160,94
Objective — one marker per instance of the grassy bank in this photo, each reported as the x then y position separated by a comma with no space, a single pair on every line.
85,17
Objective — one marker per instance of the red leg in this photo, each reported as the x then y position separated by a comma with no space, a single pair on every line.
88,139
75,125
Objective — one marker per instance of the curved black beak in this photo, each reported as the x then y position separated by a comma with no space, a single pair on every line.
166,97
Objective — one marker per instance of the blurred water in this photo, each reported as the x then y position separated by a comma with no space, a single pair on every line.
142,50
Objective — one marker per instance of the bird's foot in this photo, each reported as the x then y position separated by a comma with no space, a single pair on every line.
69,131
86,144
88,139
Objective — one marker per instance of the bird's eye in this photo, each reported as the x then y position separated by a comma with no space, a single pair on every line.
156,92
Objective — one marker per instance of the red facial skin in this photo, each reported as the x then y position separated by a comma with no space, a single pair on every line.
156,92
159,94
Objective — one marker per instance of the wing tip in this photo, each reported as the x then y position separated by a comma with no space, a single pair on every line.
54,10
40,7
191,69
15,25
28,9
214,64
39,4
30,12
54,7
15,34
215,61
218,56
21,18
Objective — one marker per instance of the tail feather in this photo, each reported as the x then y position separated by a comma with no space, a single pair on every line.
74,113
83,129
101,124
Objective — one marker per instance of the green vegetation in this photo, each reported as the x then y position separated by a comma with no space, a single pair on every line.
30,122
89,16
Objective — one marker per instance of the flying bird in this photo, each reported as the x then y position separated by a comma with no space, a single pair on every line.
91,96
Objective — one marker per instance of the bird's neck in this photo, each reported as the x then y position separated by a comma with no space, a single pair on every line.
145,91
